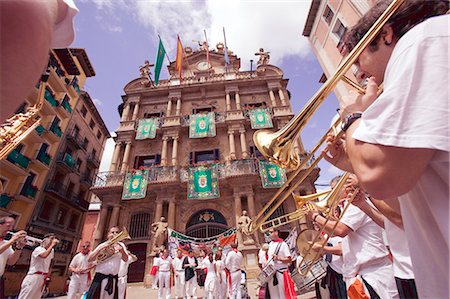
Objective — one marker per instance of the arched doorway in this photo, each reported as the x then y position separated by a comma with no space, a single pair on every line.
206,223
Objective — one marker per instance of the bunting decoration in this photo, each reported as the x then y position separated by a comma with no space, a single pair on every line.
159,61
203,182
272,176
202,125
260,118
147,128
179,60
135,185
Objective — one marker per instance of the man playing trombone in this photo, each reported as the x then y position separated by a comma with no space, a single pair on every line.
33,284
11,249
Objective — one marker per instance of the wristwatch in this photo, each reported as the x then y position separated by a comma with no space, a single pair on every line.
349,120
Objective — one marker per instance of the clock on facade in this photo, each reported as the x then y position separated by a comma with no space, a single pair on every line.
202,65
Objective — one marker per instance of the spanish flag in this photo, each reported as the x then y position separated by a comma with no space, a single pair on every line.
179,61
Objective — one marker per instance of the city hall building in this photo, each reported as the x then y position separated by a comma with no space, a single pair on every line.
184,150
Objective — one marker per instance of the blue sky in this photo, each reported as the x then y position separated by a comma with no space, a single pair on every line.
119,35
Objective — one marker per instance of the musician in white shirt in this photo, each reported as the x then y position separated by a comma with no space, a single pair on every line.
210,281
123,274
80,267
189,265
177,265
263,256
41,258
221,277
233,263
165,266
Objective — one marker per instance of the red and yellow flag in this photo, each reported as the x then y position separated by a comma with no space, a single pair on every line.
179,61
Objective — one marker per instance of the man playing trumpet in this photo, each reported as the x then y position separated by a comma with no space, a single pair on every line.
11,249
33,284
108,256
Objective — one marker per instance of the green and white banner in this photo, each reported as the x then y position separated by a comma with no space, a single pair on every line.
135,185
203,182
202,125
272,176
260,118
147,128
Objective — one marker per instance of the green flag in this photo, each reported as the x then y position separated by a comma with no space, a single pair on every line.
135,185
272,176
260,118
202,125
147,128
203,182
159,61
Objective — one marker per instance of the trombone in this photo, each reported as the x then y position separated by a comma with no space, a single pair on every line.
278,147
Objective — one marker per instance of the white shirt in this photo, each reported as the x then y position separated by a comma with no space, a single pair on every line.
79,261
40,264
4,257
164,264
337,261
283,252
234,261
123,269
262,257
210,271
364,245
413,112
399,249
177,263
112,265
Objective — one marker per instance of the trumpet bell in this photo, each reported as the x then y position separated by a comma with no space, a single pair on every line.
276,149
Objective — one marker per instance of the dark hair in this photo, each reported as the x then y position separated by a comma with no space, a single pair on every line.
411,13
335,179
49,235
234,245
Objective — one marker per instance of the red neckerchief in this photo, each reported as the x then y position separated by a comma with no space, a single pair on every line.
267,256
84,253
278,240
234,249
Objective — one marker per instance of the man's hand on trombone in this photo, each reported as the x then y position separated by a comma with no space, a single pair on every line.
335,153
356,102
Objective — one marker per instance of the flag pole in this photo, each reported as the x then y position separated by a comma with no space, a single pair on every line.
227,59
167,56
207,50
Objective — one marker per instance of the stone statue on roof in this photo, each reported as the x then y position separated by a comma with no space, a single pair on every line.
263,57
145,69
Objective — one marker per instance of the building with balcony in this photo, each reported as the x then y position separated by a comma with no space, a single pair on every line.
28,171
226,95
327,22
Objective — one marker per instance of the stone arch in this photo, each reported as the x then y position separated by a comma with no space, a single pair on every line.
206,223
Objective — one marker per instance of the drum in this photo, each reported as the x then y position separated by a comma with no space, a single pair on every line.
305,282
266,274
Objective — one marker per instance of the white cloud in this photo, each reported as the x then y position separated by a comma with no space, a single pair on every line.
334,171
97,102
107,153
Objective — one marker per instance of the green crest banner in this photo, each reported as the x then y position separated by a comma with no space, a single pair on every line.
147,128
203,182
202,125
135,185
272,176
260,118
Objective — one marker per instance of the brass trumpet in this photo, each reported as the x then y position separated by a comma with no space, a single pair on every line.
109,251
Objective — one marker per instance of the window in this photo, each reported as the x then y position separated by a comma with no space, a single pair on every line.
46,210
153,114
76,131
69,191
147,161
328,14
73,223
254,152
85,143
339,29
92,124
202,110
78,166
99,136
139,225
61,216
255,105
94,154
3,182
83,111
19,148
204,156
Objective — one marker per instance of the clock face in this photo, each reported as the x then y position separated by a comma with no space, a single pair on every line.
202,65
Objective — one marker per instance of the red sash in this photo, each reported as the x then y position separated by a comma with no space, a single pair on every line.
154,270
289,290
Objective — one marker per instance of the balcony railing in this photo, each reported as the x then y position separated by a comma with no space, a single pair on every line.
159,174
17,158
29,191
238,167
91,158
66,104
40,130
86,178
62,190
74,137
50,98
109,179
5,199
44,158
56,130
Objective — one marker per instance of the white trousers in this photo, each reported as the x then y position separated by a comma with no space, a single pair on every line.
164,284
191,287
221,285
77,286
210,285
31,287
278,290
121,286
380,276
236,284
155,281
179,284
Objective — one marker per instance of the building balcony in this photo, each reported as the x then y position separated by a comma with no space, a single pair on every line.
57,188
74,138
66,162
18,159
127,125
29,191
5,199
86,179
40,130
50,99
93,160
109,179
238,168
55,129
44,158
53,133
282,111
66,104
234,115
172,121
160,174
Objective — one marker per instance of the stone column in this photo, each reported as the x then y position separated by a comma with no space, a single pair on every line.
164,151
272,98
238,101
243,144
228,101
169,107
158,211
232,145
114,216
282,98
171,216
237,207
126,156
174,151
178,111
135,111
115,157
101,225
125,112
252,211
